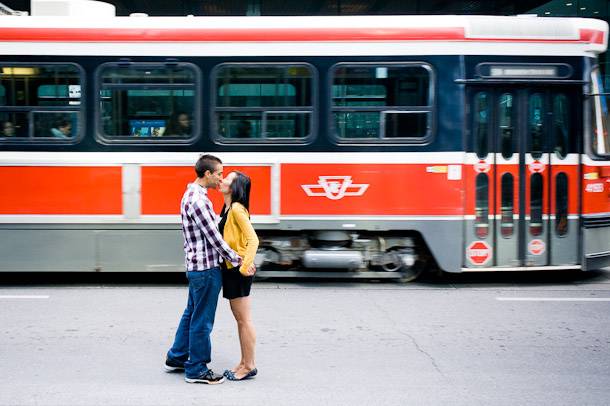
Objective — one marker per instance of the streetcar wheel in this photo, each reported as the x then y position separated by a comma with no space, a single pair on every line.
404,264
411,273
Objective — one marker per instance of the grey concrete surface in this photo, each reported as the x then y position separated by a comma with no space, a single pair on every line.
437,341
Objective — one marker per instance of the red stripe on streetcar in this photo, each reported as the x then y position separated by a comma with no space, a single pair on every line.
592,36
61,190
163,187
369,189
265,35
228,35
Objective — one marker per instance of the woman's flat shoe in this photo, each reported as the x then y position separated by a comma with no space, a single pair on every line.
230,375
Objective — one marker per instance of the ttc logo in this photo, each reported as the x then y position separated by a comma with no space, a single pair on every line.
335,187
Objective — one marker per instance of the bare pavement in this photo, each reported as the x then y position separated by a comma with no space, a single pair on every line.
478,339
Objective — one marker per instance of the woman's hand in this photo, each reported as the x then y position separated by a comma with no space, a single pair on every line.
251,270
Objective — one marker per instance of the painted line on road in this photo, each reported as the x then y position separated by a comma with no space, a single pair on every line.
553,299
24,297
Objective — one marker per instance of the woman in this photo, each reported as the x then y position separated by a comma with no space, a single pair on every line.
240,235
179,125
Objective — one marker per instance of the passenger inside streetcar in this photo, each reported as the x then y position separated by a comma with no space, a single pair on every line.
179,125
8,129
63,129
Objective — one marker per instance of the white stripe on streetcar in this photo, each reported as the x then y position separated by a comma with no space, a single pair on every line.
24,297
553,299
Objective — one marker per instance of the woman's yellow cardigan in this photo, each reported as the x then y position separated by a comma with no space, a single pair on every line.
240,236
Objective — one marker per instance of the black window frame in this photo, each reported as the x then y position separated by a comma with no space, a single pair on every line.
214,109
31,138
431,109
196,118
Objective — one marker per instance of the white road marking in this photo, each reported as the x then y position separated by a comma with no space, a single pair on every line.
24,297
553,299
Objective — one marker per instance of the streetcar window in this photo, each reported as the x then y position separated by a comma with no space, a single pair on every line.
536,125
481,124
561,203
482,206
508,204
561,126
381,102
536,187
261,102
145,102
506,123
40,102
600,139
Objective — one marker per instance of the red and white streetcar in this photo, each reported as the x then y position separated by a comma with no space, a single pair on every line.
376,145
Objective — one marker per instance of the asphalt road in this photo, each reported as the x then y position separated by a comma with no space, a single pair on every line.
476,339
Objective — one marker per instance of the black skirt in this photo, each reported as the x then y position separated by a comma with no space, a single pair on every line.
234,284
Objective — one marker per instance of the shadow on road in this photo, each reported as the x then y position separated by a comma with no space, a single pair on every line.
425,280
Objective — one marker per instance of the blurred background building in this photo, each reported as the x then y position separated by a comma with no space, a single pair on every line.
556,8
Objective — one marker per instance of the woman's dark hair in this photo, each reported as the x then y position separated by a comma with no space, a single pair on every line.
240,189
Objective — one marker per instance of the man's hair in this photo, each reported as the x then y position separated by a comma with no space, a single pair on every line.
206,163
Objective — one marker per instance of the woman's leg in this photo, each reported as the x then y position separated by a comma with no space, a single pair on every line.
247,335
234,310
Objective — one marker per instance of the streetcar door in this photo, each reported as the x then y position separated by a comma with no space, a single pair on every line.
551,175
521,177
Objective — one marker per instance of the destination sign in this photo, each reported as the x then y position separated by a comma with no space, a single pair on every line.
517,72
524,71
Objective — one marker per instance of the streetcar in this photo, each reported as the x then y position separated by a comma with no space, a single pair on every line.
378,146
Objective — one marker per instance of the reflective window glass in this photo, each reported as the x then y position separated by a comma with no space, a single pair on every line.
506,124
508,204
40,102
536,125
561,127
600,137
143,102
381,102
536,189
561,204
481,124
482,206
263,101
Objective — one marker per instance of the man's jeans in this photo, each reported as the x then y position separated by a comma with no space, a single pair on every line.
192,344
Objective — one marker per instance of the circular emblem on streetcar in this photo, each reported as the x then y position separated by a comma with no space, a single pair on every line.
536,247
537,167
482,166
478,253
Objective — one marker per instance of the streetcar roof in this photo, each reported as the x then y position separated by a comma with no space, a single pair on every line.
314,35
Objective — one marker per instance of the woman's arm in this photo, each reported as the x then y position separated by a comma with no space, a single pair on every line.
243,222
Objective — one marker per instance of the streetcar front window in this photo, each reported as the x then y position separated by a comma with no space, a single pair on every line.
600,139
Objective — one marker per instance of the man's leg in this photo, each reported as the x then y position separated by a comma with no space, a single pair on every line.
206,287
180,349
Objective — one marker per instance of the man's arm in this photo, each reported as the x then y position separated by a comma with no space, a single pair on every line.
204,218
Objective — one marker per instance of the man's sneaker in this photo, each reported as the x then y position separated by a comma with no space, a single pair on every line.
208,377
171,365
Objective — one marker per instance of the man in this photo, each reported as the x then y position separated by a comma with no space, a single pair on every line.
203,247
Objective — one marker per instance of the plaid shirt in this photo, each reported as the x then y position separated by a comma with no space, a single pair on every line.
203,243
